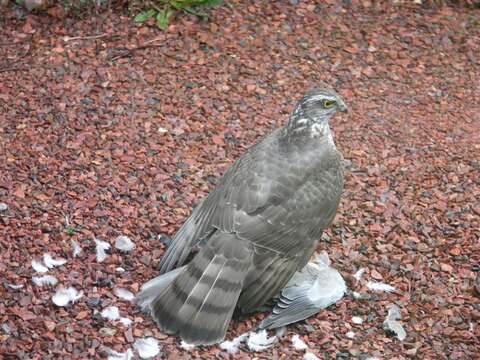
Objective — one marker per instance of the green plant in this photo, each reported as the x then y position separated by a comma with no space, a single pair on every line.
70,231
163,9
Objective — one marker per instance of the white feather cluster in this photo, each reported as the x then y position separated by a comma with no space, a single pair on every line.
298,343
124,294
63,297
378,286
76,248
260,341
124,243
101,249
232,346
111,313
114,355
39,267
45,280
51,262
147,347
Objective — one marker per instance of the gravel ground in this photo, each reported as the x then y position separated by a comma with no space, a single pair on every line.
121,134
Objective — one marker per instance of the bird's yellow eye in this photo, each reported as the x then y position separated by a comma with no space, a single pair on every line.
328,103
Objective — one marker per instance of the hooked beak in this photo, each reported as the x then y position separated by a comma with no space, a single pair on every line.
342,106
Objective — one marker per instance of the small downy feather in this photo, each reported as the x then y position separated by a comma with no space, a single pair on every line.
378,286
101,249
357,320
111,313
147,347
76,248
124,294
51,262
186,346
124,243
114,355
298,343
358,275
63,297
232,346
125,321
259,341
45,280
39,267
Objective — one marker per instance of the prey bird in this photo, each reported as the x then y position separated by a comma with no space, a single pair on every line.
255,229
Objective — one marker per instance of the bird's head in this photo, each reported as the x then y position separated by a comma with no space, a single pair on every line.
313,111
320,104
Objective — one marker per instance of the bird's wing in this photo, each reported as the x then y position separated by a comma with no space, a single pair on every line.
293,305
216,210
269,198
284,230
314,289
296,207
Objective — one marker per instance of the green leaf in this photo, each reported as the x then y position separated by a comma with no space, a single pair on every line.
196,12
70,230
213,2
162,19
144,15
177,5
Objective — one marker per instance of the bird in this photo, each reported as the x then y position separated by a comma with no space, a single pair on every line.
311,289
258,226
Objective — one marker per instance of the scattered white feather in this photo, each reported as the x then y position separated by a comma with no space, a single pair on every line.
77,249
124,294
63,297
378,286
310,356
350,334
14,286
298,343
395,327
111,313
51,262
357,320
114,355
232,346
39,267
162,130
45,280
3,206
358,275
147,347
394,312
101,248
120,270
124,243
391,323
186,346
357,295
260,341
125,321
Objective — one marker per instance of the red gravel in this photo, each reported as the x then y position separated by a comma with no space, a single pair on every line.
79,138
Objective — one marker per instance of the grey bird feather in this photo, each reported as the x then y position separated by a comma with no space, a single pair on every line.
315,287
256,228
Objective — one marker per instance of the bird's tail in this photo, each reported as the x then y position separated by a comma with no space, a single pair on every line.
199,303
152,288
